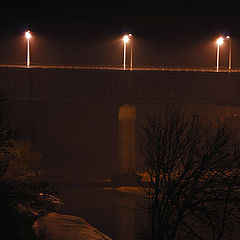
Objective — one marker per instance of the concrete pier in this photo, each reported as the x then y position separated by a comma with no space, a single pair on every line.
127,142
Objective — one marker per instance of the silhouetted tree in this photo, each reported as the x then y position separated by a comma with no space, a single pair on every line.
190,176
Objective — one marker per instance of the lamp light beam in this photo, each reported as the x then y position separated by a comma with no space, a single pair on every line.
28,36
125,41
219,43
229,53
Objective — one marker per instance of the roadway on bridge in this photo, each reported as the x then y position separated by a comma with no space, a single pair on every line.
120,68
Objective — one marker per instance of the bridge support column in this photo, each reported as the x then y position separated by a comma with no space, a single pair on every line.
126,137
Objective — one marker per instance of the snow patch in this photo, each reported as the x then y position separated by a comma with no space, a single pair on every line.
55,226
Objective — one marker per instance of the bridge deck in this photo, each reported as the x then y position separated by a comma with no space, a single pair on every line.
58,83
120,68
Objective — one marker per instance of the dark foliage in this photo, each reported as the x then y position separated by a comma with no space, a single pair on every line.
21,204
23,197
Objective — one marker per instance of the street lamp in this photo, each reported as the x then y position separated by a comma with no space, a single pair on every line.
229,53
125,40
131,56
28,36
219,42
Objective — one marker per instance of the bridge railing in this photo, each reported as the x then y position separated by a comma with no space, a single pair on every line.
119,68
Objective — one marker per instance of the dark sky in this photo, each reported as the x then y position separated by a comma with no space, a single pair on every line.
176,33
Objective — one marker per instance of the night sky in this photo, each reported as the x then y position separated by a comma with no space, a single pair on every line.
171,33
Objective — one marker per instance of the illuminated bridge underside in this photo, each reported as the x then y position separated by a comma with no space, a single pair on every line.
39,84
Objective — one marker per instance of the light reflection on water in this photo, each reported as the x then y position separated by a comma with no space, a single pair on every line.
112,210
109,210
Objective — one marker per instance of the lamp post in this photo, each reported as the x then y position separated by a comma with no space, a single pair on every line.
229,53
125,40
28,36
219,42
131,56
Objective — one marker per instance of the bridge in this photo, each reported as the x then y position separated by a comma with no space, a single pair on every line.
101,84
72,115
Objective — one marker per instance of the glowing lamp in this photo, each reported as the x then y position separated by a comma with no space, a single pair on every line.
28,35
220,41
125,38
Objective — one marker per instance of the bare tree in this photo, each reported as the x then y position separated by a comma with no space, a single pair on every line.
191,172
